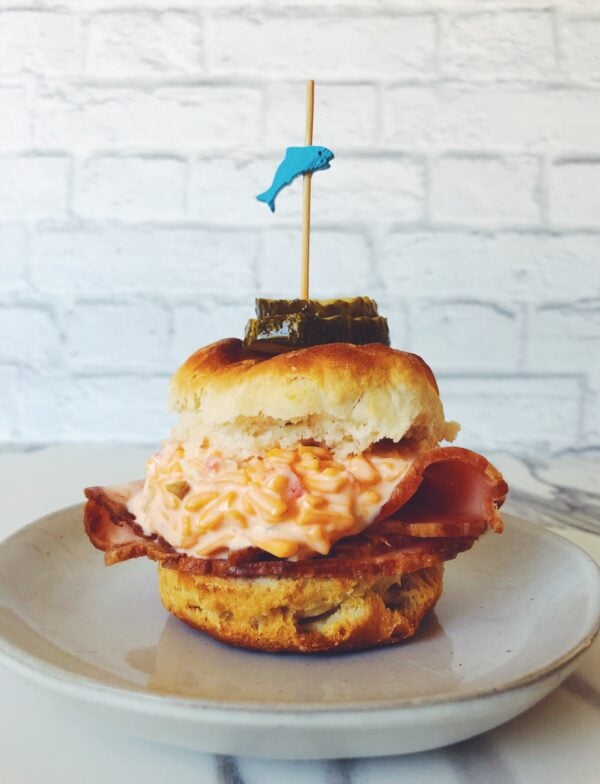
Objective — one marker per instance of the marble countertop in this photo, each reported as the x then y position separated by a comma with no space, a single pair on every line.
555,741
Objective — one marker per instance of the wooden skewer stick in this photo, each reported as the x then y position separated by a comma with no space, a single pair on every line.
308,140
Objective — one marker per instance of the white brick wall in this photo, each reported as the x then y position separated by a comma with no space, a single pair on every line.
40,42
34,187
574,192
373,46
514,44
144,43
485,191
134,135
131,188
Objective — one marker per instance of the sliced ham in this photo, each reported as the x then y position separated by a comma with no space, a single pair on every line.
112,528
453,491
441,505
378,550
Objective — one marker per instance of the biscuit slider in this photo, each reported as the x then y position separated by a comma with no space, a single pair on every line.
303,501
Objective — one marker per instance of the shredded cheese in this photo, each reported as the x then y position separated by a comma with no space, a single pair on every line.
291,503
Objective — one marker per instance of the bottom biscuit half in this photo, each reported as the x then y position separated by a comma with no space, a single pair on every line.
306,614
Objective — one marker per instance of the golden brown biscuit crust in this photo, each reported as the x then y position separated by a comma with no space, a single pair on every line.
331,393
307,614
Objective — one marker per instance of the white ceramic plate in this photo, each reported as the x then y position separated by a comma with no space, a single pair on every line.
516,613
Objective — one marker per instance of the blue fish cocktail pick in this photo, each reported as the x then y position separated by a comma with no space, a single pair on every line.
297,161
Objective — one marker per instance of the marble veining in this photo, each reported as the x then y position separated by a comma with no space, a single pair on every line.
584,690
466,762
228,771
549,491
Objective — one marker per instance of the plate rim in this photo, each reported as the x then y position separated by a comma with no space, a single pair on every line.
79,686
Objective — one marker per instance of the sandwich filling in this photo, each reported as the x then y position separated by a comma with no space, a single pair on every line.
291,503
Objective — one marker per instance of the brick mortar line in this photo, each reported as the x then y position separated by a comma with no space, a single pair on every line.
238,80
467,375
508,307
583,405
390,228
268,155
543,189
523,358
